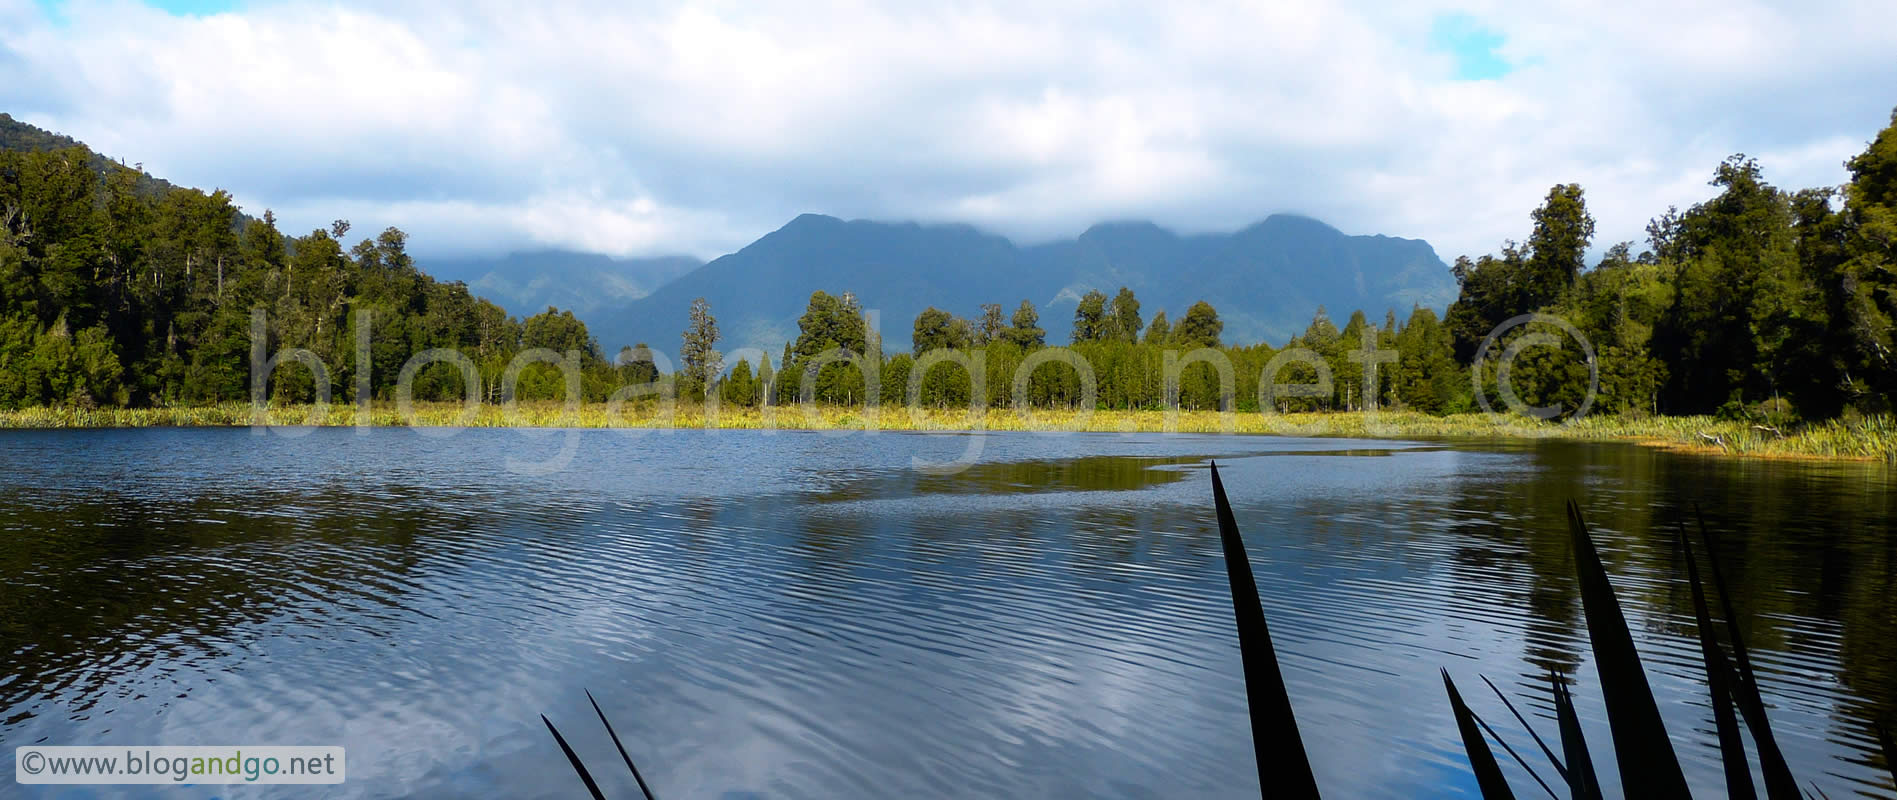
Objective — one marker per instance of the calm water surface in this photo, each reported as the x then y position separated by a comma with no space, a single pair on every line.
804,615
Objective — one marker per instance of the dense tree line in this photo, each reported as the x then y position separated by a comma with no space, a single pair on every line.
835,360
115,289
1759,301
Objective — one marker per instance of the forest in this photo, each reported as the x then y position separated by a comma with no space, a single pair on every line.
1757,303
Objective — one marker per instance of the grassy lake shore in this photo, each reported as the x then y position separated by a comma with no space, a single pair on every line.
1867,439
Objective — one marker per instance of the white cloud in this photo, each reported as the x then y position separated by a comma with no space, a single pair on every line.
699,126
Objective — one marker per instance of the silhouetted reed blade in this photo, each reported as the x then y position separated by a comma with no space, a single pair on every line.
1648,766
1720,680
1559,768
1488,774
574,759
1582,782
1779,783
646,790
580,766
1504,742
1283,768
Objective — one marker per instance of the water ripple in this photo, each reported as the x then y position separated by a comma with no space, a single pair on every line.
802,616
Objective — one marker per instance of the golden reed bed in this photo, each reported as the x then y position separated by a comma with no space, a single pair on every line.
1867,439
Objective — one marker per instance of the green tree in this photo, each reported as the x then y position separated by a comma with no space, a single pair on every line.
699,361
560,332
1866,283
1486,298
1734,266
1025,332
1557,248
766,380
1200,327
636,365
1124,320
1427,378
991,325
830,322
1349,378
1160,331
895,380
1090,317
939,330
739,388
830,332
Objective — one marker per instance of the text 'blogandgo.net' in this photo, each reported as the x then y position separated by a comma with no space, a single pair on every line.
178,765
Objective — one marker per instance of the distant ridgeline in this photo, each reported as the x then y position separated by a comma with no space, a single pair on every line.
117,288
1266,278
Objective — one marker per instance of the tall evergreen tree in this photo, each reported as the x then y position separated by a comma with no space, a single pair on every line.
697,355
1025,331
1557,249
1090,317
1124,319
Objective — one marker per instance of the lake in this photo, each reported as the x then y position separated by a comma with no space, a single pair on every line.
803,615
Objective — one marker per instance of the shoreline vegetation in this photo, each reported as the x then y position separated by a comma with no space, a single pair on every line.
1761,322
1872,439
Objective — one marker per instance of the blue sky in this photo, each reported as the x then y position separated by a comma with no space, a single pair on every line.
696,126
1475,48
183,8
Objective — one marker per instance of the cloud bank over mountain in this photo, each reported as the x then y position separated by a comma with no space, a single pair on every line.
698,127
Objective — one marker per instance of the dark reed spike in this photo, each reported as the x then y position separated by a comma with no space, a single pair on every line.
622,748
1719,680
1739,652
1648,765
1283,768
1821,792
1560,768
1890,750
1488,774
1779,783
1582,782
575,759
1512,754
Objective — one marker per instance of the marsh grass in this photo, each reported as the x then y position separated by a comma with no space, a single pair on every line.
1864,439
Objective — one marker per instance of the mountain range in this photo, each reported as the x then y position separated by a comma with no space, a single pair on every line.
595,288
1266,280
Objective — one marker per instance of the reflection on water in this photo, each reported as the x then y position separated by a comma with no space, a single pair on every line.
801,615
1081,474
